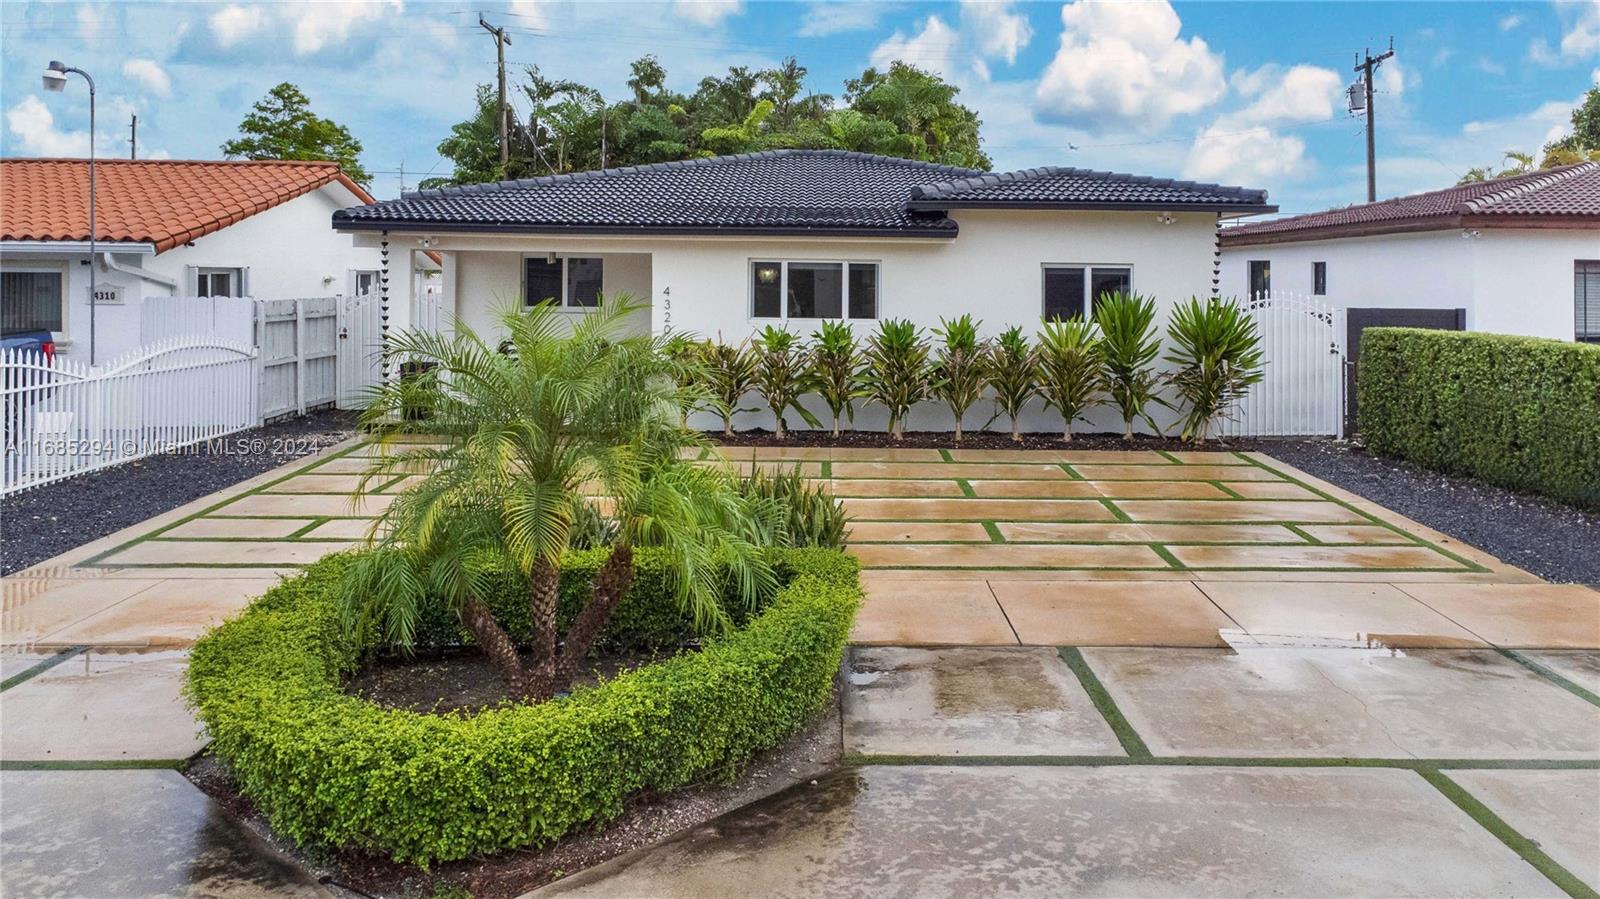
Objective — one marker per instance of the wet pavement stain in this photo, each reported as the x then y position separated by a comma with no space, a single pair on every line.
999,683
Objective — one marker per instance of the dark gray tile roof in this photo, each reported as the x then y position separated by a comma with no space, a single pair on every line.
1568,192
826,192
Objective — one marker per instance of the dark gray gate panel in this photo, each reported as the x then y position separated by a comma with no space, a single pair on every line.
1358,320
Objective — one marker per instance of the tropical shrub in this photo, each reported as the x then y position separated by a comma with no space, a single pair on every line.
1011,367
331,770
516,441
1217,358
689,372
730,373
1129,345
1521,412
783,373
1070,371
958,373
836,361
807,513
899,372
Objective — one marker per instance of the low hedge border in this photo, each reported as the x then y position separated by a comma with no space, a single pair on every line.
329,769
1520,412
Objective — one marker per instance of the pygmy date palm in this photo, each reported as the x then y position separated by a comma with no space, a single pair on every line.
514,444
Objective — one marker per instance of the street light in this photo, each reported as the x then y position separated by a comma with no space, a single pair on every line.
55,81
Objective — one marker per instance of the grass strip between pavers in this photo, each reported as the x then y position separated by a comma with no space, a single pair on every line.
92,764
1505,833
993,530
1131,742
1550,675
40,667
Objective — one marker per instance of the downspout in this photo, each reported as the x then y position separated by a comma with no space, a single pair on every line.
110,264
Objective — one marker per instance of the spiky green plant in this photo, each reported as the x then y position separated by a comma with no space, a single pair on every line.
899,371
689,371
959,375
1129,345
836,361
514,443
807,513
1011,367
730,372
783,374
1217,358
1071,373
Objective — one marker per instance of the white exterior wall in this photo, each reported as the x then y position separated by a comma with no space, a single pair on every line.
1509,281
116,325
487,282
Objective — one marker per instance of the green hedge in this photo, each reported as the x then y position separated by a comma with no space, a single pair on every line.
330,769
1520,412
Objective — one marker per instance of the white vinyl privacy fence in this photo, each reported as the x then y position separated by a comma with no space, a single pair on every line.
64,418
1302,394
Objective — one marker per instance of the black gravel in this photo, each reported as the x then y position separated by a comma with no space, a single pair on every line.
44,522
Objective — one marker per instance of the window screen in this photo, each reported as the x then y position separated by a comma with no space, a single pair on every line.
816,290
31,301
1063,293
584,282
541,282
1586,298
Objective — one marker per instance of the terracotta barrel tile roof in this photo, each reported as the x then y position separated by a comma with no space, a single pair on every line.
162,202
1569,193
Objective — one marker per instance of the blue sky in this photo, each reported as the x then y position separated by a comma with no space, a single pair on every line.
1243,93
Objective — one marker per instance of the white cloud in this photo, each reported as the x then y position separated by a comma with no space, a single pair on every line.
707,12
149,75
1298,94
934,48
1580,38
1509,22
89,22
35,127
998,31
531,13
838,16
1244,147
319,24
1489,66
1125,64
1249,156
233,23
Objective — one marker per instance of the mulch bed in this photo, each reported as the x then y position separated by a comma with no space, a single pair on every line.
972,440
463,680
44,522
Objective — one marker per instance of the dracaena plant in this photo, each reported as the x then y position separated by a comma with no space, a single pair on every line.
1071,373
1129,345
899,371
1011,367
1217,358
958,373
730,371
783,373
836,363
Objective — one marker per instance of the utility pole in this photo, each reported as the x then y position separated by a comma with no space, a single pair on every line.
1366,66
133,138
500,41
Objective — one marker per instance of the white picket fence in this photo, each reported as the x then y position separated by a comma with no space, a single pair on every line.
1302,394
64,418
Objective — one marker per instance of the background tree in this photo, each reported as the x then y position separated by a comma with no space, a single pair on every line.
282,126
1582,145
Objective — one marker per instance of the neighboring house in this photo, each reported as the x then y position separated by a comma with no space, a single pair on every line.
166,227
727,245
1518,255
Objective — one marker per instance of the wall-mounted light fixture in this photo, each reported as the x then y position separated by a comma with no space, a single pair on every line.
550,257
1166,218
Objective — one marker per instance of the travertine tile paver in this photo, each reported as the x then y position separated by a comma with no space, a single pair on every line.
260,528
1116,457
1559,810
745,466
1580,666
1157,489
954,612
900,701
1034,489
100,707
1000,555
1206,457
341,529
1155,613
985,470
173,613
319,483
1313,557
306,506
1237,510
1299,702
919,531
1354,533
1079,831
1515,615
895,487
1096,472
976,510
36,607
1055,532
223,552
1270,490
1370,614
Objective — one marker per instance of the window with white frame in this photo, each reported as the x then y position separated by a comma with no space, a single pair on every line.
806,289
217,282
569,282
1070,290
366,283
1319,279
1260,277
31,299
1586,299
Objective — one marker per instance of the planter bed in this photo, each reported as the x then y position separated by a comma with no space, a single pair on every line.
329,770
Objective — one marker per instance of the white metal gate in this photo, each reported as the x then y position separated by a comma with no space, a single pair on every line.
1302,394
360,349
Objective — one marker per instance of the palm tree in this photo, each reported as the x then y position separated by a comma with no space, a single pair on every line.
518,442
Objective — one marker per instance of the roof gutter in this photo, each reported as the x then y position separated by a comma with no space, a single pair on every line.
533,230
107,262
1410,226
72,247
934,205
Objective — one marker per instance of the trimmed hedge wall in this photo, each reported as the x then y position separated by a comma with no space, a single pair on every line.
1521,412
330,769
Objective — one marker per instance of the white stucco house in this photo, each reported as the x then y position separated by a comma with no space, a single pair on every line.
164,228
728,245
1518,255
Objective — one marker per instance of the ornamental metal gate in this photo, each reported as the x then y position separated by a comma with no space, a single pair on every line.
1302,394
